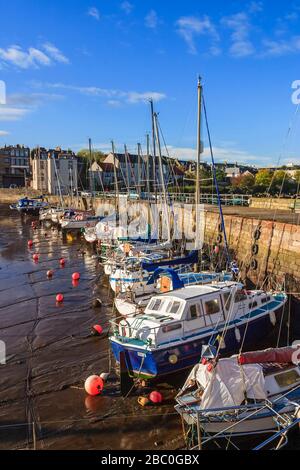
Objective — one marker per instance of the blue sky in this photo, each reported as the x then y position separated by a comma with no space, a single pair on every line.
79,69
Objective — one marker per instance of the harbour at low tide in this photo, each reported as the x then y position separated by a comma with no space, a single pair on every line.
50,352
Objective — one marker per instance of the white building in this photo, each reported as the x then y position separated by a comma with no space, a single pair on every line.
54,171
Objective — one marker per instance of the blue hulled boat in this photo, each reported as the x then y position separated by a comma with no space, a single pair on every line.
169,336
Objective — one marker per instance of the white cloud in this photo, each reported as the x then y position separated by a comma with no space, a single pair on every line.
278,48
127,7
113,96
8,113
94,12
151,19
3,133
55,53
241,46
32,57
190,26
221,154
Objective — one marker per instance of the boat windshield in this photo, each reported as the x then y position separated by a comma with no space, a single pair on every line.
165,305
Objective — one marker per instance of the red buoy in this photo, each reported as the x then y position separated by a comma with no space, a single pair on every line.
30,243
62,261
94,385
59,298
156,397
97,330
216,249
209,367
35,257
50,273
75,276
75,283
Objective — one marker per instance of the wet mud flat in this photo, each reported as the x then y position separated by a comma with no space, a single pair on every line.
49,353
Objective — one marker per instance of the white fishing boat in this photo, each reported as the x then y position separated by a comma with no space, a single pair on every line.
248,394
169,335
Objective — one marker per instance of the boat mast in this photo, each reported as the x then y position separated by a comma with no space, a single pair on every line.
148,187
154,149
115,177
90,172
197,194
164,193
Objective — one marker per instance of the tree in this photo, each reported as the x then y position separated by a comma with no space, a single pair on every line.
244,182
263,178
97,155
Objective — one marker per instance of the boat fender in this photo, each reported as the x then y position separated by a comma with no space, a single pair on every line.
272,318
220,228
237,335
97,303
221,342
143,401
219,239
254,249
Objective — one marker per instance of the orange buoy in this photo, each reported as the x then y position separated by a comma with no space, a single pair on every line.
156,397
94,385
35,257
59,298
50,273
75,276
62,261
30,243
97,330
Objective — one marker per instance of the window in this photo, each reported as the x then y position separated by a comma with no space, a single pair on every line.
6,160
253,304
227,300
171,327
212,306
156,304
194,312
240,296
287,378
173,307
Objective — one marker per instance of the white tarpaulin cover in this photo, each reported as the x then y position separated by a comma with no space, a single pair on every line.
229,383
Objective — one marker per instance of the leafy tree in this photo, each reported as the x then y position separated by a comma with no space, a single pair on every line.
263,178
97,155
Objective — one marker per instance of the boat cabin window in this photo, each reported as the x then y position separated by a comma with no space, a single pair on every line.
240,296
227,300
265,299
253,304
171,327
194,312
173,307
212,306
287,378
156,304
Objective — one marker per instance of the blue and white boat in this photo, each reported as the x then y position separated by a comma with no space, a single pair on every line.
134,272
169,335
29,206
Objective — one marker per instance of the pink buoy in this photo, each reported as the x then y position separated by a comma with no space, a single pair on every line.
97,330
75,276
94,385
35,257
216,249
156,397
30,243
50,273
59,298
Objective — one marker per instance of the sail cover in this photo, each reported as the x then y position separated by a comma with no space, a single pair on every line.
229,383
277,355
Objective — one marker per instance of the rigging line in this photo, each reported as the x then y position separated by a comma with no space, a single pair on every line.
216,183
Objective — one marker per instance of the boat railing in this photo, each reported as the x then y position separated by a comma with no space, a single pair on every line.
135,333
